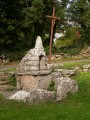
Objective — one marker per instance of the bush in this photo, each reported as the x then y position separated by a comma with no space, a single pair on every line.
71,50
12,80
51,86
15,55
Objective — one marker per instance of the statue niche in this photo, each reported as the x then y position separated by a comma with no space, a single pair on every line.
42,63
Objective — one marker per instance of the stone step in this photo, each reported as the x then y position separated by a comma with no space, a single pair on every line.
3,78
4,82
4,87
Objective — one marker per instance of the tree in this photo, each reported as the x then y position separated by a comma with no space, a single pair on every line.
79,12
22,20
11,33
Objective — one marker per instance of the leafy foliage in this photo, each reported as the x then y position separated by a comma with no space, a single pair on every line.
80,14
51,86
12,80
22,20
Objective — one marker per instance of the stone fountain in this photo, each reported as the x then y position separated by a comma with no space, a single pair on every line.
32,72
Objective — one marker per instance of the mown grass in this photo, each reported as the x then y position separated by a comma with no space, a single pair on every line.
8,70
74,107
72,65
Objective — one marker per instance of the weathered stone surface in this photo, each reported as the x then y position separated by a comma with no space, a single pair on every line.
54,65
18,78
20,95
4,82
38,43
65,86
77,68
56,77
43,72
66,72
30,63
27,83
34,96
39,50
30,58
44,81
31,69
34,59
34,68
32,83
40,95
86,68
34,75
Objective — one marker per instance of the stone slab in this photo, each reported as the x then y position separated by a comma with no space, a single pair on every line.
32,83
44,72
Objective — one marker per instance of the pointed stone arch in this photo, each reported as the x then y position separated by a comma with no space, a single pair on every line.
42,63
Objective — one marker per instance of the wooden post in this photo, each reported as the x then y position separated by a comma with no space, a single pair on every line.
53,17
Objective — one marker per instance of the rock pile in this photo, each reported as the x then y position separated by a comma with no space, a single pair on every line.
86,68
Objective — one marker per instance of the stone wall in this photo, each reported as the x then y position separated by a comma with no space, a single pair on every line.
84,68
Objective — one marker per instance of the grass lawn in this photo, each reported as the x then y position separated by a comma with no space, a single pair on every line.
72,65
8,70
74,107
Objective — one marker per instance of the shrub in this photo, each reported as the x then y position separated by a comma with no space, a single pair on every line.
12,80
14,56
70,50
51,86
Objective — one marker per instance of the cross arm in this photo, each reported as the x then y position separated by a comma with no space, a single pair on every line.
52,17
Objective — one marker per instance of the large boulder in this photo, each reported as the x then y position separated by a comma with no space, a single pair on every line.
57,78
64,87
20,95
40,95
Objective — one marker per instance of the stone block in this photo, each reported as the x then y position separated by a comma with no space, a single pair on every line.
20,95
65,86
33,67
33,58
40,95
31,63
57,78
29,83
36,96
44,81
44,72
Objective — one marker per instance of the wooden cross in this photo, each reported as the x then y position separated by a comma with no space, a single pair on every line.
53,17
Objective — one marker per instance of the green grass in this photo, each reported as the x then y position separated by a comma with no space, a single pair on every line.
74,107
8,70
12,80
71,65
